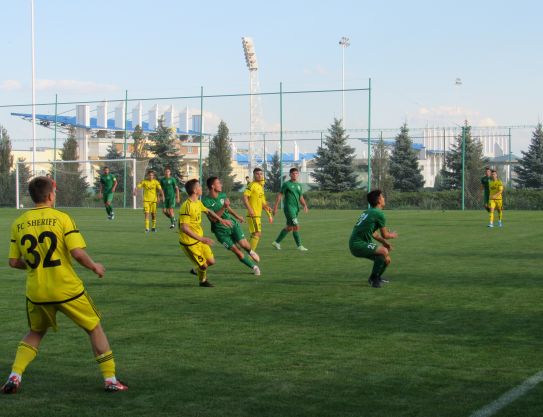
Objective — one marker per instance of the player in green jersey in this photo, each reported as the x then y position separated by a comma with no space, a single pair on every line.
293,195
171,195
232,238
365,230
108,184
484,187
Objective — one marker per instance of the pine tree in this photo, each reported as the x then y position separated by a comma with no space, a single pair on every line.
219,161
380,166
138,151
7,178
404,163
72,185
530,169
117,169
451,173
162,144
25,175
334,170
273,175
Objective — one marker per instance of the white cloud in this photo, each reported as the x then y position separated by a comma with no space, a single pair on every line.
446,111
10,85
75,86
487,122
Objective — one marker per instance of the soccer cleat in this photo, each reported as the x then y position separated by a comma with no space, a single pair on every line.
109,217
146,230
500,223
302,249
374,282
254,255
172,226
206,284
256,270
112,217
384,280
115,386
12,385
193,272
153,229
276,245
490,225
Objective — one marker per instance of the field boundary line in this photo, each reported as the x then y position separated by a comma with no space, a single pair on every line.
508,397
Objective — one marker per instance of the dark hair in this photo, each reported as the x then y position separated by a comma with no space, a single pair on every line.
493,171
487,168
293,170
167,167
190,186
39,188
106,167
373,197
257,169
210,182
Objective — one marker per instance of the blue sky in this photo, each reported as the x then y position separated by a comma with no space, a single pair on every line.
413,51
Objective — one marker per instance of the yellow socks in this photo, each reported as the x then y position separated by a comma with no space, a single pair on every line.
146,224
25,354
254,241
106,364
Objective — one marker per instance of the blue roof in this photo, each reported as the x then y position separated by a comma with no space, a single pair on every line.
243,158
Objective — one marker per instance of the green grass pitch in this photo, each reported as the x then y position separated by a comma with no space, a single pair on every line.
459,324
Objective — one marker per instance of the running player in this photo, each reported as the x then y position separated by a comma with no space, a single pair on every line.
365,230
229,237
254,200
495,201
108,184
191,236
484,186
293,194
171,195
43,241
150,186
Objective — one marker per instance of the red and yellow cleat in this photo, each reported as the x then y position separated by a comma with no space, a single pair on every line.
12,385
115,386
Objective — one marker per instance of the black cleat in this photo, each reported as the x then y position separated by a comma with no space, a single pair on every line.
374,282
153,229
11,386
193,272
206,284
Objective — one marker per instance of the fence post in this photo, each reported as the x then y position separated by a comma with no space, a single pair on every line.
369,135
510,182
125,145
463,166
200,173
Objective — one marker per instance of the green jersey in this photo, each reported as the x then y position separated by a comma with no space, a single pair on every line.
292,191
168,186
107,181
215,204
485,181
368,222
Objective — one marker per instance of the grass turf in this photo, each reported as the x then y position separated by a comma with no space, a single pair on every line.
459,324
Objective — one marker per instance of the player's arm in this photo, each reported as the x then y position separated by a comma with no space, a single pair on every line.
114,184
185,227
216,218
100,191
161,193
17,263
303,203
277,201
136,189
81,256
498,195
385,234
246,203
232,211
177,197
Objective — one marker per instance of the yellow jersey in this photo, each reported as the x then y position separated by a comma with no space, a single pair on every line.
495,187
150,188
191,213
44,237
255,194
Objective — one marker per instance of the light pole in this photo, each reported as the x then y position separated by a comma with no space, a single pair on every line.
343,43
252,65
33,90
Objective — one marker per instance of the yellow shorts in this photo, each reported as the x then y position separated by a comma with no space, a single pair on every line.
149,206
255,224
198,253
80,310
495,204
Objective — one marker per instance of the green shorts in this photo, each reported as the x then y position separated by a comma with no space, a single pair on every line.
169,203
229,237
363,249
292,218
108,197
486,197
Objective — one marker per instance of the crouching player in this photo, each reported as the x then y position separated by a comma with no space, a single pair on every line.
191,236
229,237
365,230
43,241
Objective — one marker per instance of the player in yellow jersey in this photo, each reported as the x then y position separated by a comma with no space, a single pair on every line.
191,236
254,200
495,201
150,186
43,241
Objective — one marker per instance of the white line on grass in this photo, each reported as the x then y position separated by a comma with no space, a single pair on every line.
510,396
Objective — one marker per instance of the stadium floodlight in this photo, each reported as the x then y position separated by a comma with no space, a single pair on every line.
344,42
252,65
33,87
249,51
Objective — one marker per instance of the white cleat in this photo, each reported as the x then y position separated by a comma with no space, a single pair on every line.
276,245
500,224
256,271
490,225
254,255
302,249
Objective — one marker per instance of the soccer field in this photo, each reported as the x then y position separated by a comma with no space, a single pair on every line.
459,325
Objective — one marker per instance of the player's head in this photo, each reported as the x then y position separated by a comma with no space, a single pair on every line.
214,184
494,174
258,174
294,173
487,171
106,170
376,198
193,187
167,172
150,174
41,191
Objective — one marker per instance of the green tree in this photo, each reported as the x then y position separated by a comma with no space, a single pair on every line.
451,173
530,169
273,175
162,145
117,169
72,185
219,160
380,166
334,170
25,175
138,151
7,179
404,163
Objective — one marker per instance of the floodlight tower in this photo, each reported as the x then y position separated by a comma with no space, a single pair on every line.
344,42
252,65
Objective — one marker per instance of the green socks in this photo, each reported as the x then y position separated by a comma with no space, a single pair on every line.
379,266
247,261
297,238
282,234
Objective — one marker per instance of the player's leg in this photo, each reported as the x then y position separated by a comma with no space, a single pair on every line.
499,208
153,216
107,205
238,237
146,211
255,227
296,235
492,205
202,257
172,215
284,232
